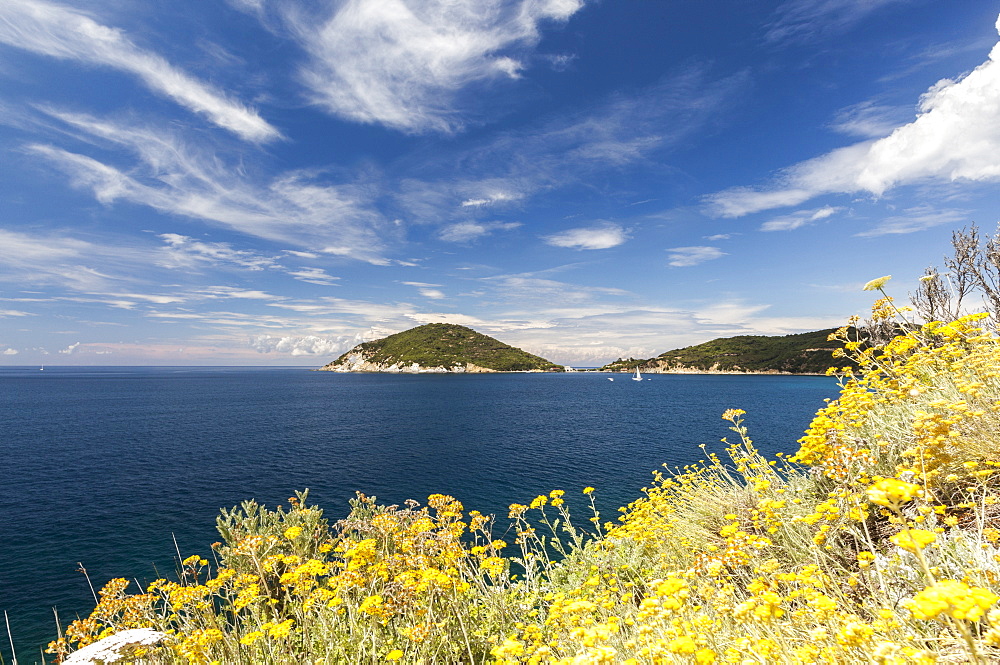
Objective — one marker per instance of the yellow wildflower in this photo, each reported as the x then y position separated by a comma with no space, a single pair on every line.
912,540
876,284
892,493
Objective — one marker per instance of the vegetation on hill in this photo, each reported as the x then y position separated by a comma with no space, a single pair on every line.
448,345
877,542
802,353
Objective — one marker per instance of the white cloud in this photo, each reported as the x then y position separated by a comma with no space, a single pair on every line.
492,198
401,63
10,352
185,252
602,236
916,219
468,231
568,150
956,136
869,120
806,20
212,292
63,32
682,257
12,312
55,258
719,236
308,345
70,349
527,288
180,179
427,290
314,276
799,218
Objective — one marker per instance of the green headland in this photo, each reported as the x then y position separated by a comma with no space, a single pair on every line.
439,347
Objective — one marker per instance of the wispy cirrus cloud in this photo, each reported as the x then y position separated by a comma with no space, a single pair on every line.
956,136
314,276
184,252
492,198
869,120
175,177
799,218
601,236
682,257
469,231
804,20
404,63
618,133
916,219
427,290
66,33
56,259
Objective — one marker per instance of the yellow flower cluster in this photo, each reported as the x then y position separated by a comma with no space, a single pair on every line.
892,494
952,598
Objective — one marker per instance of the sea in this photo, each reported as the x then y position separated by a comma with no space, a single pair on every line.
114,470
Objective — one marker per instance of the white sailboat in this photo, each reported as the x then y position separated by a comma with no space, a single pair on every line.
637,377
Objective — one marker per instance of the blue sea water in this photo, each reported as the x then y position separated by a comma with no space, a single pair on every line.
107,467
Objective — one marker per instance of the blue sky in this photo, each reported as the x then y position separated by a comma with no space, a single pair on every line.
269,182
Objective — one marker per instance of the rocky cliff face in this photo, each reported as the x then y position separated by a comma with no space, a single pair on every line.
359,361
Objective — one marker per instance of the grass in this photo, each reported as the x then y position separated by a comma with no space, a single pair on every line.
876,542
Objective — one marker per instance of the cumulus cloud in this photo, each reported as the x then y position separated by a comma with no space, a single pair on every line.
956,136
798,219
309,345
602,236
469,231
10,352
67,33
70,349
402,63
682,257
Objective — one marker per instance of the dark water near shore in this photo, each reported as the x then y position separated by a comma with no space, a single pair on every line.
106,466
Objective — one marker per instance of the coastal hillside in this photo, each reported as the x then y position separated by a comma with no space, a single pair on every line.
439,347
876,542
802,353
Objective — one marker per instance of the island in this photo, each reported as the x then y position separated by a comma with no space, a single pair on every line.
802,353
439,348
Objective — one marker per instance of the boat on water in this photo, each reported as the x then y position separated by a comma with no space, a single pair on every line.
637,377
